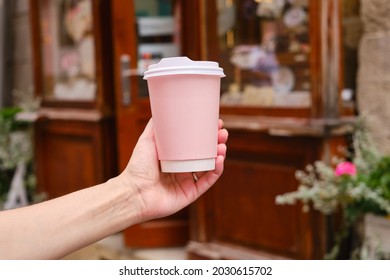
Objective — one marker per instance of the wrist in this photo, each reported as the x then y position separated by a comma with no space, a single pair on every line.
128,203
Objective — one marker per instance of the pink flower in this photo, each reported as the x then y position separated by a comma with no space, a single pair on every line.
345,168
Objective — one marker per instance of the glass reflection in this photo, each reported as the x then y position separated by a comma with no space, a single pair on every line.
68,50
157,35
264,50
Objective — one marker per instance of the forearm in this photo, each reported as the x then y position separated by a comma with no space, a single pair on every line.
55,228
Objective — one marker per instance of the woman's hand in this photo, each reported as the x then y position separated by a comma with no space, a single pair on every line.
162,194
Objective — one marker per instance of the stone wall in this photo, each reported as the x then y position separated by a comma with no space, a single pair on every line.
373,82
22,82
22,54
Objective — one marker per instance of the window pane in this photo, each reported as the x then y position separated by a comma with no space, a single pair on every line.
157,35
264,50
68,50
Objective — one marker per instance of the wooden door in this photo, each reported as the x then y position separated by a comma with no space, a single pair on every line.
144,31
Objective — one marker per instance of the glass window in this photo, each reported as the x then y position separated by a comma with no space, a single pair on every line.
264,50
351,33
68,50
157,34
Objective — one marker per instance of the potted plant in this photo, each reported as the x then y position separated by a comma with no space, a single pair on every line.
15,158
355,187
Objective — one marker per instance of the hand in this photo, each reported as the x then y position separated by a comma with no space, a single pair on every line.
162,194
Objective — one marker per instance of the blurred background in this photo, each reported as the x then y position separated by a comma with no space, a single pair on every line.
299,75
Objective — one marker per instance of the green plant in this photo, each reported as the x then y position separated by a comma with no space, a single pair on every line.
15,147
355,187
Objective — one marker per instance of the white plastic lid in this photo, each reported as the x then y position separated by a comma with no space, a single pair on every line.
183,65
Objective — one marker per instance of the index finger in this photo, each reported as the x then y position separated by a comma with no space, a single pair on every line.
220,124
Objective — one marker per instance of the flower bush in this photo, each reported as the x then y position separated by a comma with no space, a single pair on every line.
357,184
15,147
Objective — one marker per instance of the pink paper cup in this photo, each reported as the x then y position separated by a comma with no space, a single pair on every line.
184,99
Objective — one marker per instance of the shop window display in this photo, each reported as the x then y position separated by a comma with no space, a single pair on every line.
265,51
68,50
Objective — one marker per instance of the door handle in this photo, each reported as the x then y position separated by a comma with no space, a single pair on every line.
126,73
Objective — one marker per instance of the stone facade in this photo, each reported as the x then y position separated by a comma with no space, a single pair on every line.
18,55
22,51
375,15
373,82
